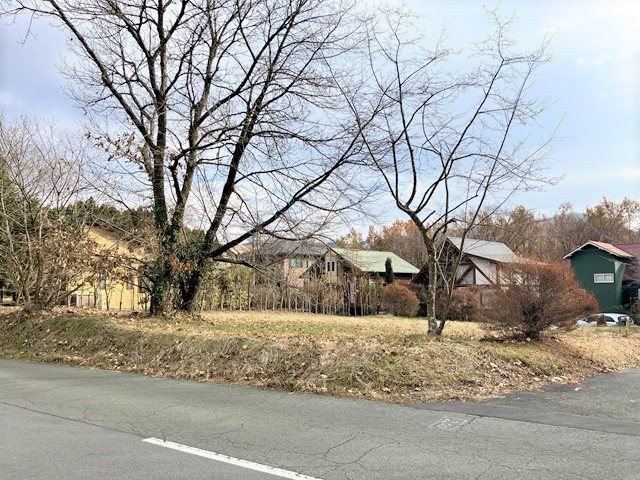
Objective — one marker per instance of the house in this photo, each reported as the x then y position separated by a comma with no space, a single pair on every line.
287,260
355,277
631,277
341,265
608,271
480,261
8,295
117,283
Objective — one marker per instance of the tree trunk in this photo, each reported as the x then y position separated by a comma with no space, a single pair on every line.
432,294
26,298
161,283
158,299
189,288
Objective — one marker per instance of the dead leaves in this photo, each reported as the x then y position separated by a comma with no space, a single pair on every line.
286,351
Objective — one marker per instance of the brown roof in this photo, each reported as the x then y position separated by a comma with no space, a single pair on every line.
632,272
607,247
630,248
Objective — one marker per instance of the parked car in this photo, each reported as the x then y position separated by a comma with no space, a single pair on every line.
605,319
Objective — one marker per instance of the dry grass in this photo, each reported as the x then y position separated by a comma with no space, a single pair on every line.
378,357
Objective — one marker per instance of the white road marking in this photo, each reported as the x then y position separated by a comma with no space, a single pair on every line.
278,472
450,424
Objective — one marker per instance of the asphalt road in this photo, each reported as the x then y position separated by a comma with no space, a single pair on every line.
59,422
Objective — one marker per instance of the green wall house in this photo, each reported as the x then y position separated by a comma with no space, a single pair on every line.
601,268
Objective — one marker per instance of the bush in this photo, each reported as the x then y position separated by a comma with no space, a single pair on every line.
537,296
399,300
464,305
634,312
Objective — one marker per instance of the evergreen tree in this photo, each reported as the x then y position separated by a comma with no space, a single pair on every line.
388,272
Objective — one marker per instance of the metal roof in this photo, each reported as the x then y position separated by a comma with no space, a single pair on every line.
632,272
373,261
630,248
607,247
282,247
496,251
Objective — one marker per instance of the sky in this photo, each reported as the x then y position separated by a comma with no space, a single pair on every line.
592,84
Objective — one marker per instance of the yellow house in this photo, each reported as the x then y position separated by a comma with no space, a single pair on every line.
116,283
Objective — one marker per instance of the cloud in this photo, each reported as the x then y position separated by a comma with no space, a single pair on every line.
9,100
607,94
633,173
594,61
602,175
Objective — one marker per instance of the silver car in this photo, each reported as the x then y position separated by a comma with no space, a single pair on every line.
606,319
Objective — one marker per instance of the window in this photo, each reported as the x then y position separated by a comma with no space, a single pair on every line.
295,263
331,266
603,278
102,280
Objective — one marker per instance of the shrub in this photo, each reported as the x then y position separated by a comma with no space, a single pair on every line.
399,300
534,297
464,305
634,312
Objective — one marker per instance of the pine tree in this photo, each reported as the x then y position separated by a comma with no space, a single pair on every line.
388,272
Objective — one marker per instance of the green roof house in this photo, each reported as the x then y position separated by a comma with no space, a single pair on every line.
373,261
608,271
357,274
339,264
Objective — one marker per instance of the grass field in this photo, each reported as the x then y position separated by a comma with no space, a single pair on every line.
379,357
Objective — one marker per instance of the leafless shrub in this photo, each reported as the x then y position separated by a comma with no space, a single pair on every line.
464,305
536,297
399,300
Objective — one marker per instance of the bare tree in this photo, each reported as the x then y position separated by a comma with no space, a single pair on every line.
550,237
402,237
447,143
519,228
225,110
44,251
